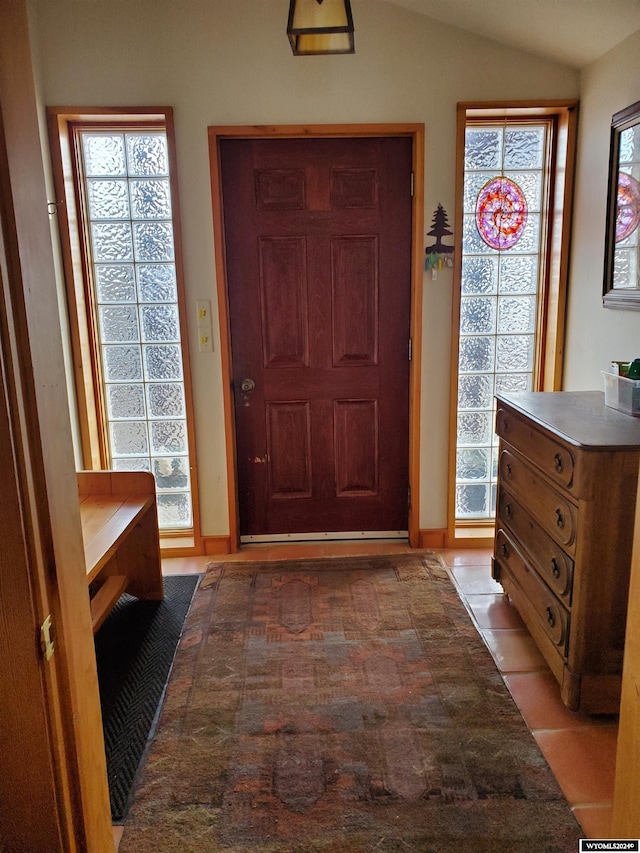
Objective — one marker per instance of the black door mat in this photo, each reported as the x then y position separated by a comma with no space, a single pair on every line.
135,648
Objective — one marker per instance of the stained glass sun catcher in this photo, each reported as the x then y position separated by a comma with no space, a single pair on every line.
628,206
501,213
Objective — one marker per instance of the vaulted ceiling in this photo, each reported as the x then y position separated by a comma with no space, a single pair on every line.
573,32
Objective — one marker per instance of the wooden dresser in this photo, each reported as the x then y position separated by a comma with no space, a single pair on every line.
567,481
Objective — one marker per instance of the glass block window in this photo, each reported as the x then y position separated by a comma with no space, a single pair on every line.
129,221
504,189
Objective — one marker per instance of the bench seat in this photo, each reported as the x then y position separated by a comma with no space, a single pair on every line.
120,534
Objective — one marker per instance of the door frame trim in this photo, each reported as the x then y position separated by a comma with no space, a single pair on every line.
416,133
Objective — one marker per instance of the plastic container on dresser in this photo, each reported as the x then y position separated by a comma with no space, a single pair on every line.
567,480
622,393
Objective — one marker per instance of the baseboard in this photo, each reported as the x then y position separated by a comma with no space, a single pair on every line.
432,538
479,536
439,538
180,546
475,542
216,545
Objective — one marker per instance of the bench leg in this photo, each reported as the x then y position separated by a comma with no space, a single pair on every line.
106,597
141,550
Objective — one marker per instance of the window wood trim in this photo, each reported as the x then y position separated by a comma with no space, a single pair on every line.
550,356
62,122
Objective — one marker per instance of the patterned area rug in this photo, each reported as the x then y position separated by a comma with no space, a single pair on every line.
344,705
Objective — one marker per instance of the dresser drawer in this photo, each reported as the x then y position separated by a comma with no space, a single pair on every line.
550,561
552,615
556,515
552,457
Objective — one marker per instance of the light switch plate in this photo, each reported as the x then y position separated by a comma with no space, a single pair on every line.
203,307
205,340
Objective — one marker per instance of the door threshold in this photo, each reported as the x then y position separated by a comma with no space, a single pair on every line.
324,537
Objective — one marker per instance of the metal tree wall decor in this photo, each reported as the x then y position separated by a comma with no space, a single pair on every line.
439,255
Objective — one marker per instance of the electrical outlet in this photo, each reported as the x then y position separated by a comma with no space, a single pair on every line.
205,340
203,307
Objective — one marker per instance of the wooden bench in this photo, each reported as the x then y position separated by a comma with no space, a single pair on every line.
120,533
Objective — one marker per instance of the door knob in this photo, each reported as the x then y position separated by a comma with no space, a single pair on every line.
247,386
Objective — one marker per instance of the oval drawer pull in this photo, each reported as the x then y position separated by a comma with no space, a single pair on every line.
504,550
559,518
508,470
508,511
558,463
555,568
551,619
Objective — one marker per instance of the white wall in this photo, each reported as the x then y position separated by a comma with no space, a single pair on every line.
228,62
596,335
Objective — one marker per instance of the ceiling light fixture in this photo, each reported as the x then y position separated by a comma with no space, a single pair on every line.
320,26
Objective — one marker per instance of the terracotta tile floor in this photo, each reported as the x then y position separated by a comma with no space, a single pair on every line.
579,749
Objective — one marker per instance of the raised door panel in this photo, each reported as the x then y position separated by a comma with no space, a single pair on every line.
280,189
289,450
354,262
354,188
356,447
283,301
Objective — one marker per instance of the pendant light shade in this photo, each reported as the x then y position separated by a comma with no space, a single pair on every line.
320,26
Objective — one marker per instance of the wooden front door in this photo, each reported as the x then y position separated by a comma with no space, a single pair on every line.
318,259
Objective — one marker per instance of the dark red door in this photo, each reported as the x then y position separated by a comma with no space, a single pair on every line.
318,255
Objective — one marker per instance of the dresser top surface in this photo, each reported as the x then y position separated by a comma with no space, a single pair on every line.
579,417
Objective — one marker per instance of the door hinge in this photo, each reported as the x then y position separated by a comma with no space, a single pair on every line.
410,349
409,497
46,640
413,178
